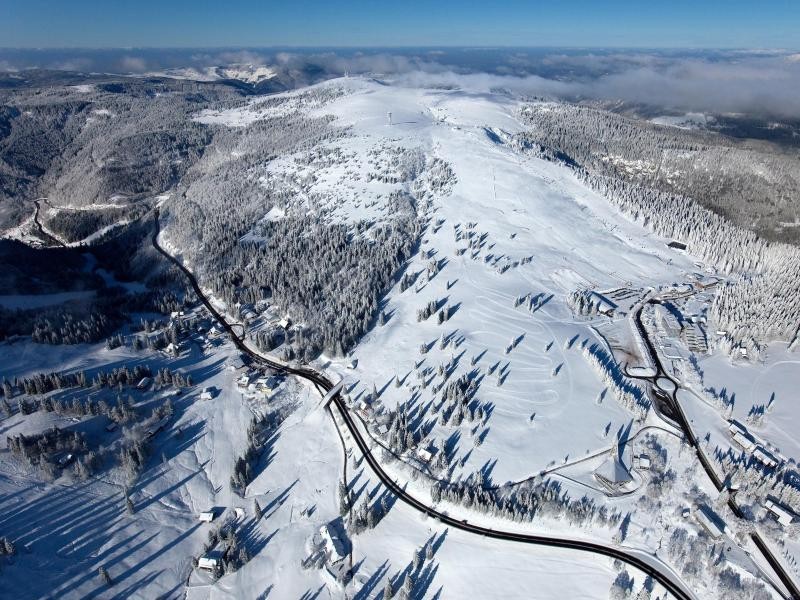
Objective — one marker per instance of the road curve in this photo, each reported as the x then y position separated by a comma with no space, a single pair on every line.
42,233
673,587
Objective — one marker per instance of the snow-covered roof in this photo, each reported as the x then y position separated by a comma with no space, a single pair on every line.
764,457
743,440
613,472
333,542
783,516
709,521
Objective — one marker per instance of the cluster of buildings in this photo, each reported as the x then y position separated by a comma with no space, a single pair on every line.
672,326
253,384
752,445
250,313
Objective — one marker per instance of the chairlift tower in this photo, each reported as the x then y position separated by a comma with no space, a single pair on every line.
389,117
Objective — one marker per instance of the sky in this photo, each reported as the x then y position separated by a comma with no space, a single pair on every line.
369,23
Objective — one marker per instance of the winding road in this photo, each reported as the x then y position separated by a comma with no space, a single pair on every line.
663,576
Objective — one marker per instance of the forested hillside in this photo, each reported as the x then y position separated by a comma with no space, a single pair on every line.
327,274
753,184
664,177
111,142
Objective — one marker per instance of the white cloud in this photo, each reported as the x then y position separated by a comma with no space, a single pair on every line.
133,64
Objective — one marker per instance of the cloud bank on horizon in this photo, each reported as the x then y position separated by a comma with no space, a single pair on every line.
766,83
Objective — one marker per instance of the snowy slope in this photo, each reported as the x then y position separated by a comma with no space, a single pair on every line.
506,226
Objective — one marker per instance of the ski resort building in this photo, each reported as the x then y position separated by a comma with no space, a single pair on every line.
676,245
765,458
710,522
696,339
743,440
603,304
669,324
781,514
741,436
612,473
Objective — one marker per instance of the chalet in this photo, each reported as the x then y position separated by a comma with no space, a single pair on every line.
243,381
710,522
780,513
352,364
267,385
641,462
212,560
154,427
208,393
426,454
111,427
144,383
612,473
333,542
207,516
285,322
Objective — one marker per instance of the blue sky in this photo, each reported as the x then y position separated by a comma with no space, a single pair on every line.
202,23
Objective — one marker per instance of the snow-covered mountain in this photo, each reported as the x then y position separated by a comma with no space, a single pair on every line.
527,325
